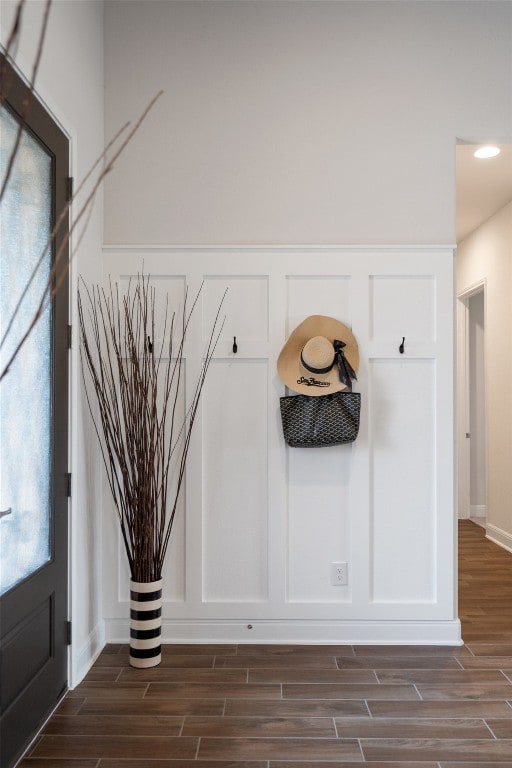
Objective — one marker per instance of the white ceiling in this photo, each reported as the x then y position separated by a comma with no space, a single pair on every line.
483,186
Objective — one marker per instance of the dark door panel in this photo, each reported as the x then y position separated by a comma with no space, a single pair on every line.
33,435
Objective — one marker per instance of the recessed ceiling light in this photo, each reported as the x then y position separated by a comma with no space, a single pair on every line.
485,152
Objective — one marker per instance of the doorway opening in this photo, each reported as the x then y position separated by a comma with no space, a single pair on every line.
472,439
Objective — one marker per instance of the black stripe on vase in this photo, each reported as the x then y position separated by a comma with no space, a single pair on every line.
145,615
145,597
145,634
145,653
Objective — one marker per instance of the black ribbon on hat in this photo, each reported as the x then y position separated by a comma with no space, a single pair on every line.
345,370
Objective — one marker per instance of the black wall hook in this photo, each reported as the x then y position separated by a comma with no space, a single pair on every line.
401,348
235,348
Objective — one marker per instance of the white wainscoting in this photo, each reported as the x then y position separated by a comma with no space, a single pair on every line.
260,523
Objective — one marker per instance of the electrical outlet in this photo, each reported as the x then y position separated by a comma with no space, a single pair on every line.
339,574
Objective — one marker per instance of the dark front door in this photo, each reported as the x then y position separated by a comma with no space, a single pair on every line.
33,426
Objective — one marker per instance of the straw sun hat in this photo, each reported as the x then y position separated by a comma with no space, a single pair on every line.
319,357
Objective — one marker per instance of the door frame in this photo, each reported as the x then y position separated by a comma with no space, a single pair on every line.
42,123
463,398
87,637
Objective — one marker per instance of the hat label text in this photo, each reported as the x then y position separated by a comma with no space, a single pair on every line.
312,382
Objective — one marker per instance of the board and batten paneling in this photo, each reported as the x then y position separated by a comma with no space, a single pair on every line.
260,524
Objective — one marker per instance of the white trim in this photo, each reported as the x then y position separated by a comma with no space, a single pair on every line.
280,248
87,655
478,510
284,632
472,289
498,536
462,412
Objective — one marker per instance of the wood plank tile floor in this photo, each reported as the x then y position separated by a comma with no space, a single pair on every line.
275,706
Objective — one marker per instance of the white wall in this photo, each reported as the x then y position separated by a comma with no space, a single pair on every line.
486,255
70,82
301,122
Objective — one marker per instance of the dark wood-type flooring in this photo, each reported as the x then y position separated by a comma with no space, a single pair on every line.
274,706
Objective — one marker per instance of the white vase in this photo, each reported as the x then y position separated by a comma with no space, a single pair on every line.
145,623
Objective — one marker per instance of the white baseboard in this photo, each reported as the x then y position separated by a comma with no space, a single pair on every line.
86,655
326,633
478,510
502,538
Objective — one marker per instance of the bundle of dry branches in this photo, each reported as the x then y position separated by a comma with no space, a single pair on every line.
137,388
67,231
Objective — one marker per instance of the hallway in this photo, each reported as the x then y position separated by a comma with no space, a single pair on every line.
485,586
253,706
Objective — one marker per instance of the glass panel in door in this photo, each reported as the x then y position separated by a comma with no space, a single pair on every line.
26,391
